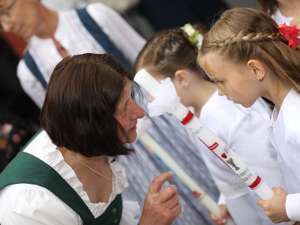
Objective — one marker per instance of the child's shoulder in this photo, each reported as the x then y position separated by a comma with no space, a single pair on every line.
221,115
290,115
290,108
220,107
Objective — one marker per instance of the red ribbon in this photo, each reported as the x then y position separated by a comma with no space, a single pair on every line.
255,183
187,118
291,35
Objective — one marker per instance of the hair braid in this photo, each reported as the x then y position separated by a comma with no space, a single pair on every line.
248,38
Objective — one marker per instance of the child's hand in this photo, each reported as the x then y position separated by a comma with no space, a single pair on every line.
275,207
221,218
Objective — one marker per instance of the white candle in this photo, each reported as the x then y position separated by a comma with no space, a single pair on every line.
206,136
205,199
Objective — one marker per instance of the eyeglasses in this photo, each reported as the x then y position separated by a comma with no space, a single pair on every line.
5,11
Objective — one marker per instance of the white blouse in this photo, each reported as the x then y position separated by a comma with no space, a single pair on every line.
29,204
286,139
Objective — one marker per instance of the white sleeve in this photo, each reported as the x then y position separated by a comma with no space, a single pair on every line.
131,213
118,30
292,206
222,199
34,205
30,84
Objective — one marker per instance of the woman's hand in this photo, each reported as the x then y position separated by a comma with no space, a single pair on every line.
161,207
275,207
221,218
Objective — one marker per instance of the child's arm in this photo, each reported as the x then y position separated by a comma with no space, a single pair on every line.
282,207
223,215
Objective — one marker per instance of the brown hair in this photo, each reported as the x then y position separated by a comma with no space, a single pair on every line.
168,51
80,103
243,33
269,6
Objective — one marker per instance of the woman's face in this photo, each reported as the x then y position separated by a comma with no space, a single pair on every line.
127,114
235,80
19,17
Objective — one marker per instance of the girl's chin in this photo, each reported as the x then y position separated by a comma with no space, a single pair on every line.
246,105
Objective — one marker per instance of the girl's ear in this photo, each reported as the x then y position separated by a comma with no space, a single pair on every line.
182,78
257,68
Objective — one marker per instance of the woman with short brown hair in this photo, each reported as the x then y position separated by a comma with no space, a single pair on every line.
69,173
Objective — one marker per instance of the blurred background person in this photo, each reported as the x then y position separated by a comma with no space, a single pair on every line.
283,11
53,35
119,6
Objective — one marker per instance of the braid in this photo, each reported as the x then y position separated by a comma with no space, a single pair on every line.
166,47
248,38
167,52
243,33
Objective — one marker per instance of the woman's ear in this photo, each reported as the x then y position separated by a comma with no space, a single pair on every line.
257,68
182,78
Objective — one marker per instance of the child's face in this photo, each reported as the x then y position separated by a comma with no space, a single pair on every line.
185,83
235,80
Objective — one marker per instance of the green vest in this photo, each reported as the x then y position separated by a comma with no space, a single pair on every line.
26,168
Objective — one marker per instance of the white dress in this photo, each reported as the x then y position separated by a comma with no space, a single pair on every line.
286,139
246,131
29,204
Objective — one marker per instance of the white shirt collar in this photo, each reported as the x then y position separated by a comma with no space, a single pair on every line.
280,18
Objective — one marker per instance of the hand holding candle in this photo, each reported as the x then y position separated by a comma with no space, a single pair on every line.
206,136
205,199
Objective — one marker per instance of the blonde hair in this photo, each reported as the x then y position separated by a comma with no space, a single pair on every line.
243,33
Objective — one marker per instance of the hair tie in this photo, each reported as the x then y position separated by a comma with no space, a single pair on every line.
194,36
290,33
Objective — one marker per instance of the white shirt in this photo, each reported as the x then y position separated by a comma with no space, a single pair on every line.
286,139
120,6
281,19
76,40
66,5
246,131
29,204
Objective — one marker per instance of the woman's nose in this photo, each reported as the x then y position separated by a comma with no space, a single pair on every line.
139,111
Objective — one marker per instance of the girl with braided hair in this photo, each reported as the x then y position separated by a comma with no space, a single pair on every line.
173,54
248,56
